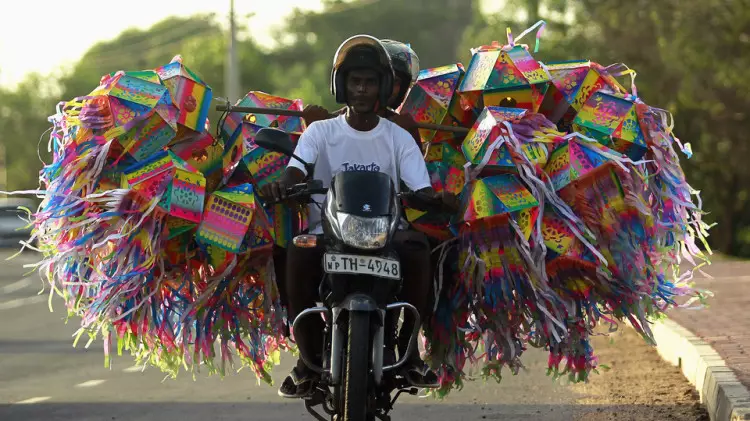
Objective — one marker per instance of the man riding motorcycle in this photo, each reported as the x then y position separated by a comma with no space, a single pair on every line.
358,140
405,63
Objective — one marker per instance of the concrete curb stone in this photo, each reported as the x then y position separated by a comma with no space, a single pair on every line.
726,399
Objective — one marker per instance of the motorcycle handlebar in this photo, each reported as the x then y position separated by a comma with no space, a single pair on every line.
421,201
416,200
301,191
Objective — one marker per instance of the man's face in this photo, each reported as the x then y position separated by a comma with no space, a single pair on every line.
362,86
396,91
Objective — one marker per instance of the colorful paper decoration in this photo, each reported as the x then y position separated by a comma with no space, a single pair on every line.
431,98
288,221
143,118
503,76
562,242
264,166
572,84
178,226
261,235
229,215
182,188
238,132
150,136
130,98
575,159
613,121
189,94
445,166
263,100
486,137
495,195
203,153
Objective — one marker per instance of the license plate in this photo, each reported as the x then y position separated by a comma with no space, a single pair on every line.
362,265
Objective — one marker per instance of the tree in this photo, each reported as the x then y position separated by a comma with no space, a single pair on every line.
23,129
433,28
689,55
200,40
560,42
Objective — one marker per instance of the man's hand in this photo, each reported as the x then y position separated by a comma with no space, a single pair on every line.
405,121
313,113
275,191
450,201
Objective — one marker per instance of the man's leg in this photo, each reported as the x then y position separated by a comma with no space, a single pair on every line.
416,269
279,267
303,276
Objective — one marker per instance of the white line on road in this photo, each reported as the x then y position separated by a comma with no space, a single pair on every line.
19,302
134,369
34,400
15,286
91,383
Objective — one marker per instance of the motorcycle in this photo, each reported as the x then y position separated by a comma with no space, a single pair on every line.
362,277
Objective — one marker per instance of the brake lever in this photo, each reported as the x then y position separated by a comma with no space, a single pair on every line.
288,197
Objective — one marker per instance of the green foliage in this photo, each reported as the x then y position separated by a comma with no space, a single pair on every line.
432,27
23,123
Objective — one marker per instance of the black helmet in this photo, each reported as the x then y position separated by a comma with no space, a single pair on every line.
404,60
405,64
357,52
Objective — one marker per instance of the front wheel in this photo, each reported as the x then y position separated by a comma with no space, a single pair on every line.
357,367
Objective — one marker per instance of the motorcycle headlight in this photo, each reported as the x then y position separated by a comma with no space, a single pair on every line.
361,232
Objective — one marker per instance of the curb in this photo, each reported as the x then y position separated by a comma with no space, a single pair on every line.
725,398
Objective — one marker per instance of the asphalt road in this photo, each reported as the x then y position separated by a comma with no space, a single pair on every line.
42,377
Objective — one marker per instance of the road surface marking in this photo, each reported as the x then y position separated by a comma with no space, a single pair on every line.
91,383
134,369
19,302
34,400
15,286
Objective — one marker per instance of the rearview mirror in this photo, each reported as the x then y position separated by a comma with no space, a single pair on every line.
274,140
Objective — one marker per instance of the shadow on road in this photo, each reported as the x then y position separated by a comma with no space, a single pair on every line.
167,411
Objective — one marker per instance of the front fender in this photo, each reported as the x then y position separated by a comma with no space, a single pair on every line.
358,302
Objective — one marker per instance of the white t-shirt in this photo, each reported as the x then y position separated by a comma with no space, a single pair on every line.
334,146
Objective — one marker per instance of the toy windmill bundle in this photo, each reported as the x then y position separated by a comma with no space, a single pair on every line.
151,228
598,236
573,210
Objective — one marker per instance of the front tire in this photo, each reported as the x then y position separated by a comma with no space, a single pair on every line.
357,367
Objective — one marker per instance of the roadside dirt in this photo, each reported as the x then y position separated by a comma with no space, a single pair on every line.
639,386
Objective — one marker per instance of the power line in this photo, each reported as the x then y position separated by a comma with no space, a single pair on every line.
147,41
136,55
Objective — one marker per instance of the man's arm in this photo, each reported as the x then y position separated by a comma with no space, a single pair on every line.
406,122
414,173
412,168
313,113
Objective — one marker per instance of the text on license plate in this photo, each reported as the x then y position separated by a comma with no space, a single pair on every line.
365,265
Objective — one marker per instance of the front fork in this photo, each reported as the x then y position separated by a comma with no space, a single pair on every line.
338,338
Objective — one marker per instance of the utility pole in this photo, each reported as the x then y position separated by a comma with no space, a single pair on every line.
232,69
3,171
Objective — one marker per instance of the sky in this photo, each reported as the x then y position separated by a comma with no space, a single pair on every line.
50,40
40,35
